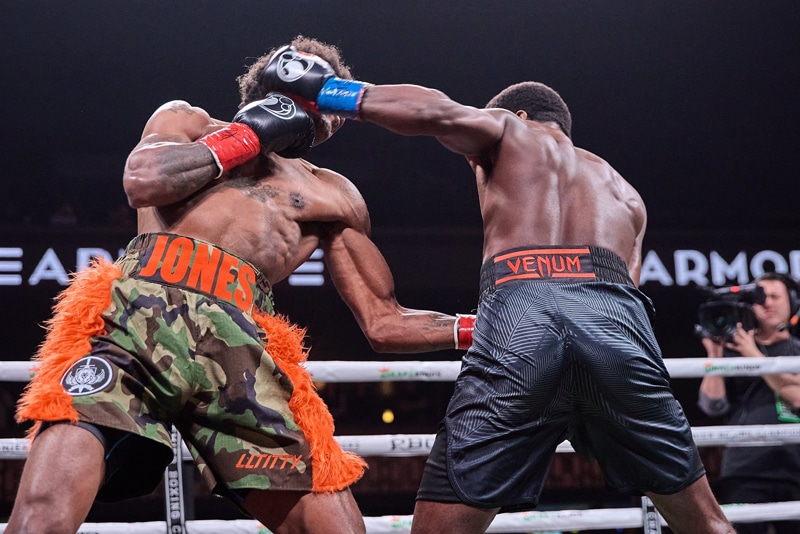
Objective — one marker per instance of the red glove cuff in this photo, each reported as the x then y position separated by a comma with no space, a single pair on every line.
231,146
462,331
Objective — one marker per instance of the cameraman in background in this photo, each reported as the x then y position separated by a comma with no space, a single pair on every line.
759,474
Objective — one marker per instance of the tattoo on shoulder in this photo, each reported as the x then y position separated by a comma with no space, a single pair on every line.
181,107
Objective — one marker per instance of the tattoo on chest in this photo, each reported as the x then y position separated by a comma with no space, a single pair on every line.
263,191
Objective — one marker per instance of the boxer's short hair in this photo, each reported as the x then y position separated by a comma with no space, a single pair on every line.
540,102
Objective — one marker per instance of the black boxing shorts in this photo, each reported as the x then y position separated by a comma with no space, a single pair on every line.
563,349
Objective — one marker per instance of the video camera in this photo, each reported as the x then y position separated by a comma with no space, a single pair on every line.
725,308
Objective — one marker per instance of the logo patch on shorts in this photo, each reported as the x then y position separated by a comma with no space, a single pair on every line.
88,375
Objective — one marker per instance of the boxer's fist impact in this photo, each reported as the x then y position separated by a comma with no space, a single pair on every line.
296,73
280,124
462,331
274,124
312,81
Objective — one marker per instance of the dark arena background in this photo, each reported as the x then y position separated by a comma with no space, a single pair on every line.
694,103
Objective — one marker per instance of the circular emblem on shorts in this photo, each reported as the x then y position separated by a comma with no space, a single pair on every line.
88,375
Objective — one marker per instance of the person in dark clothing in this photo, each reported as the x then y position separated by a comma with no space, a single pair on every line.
766,473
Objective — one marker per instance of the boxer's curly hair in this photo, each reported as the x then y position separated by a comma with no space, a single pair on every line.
540,102
249,88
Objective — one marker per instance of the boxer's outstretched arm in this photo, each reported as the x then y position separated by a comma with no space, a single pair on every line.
363,279
403,109
168,165
417,110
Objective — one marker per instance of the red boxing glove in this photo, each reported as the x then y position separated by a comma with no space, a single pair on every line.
231,146
462,331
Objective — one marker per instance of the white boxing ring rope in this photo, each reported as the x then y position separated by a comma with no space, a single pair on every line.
523,522
447,371
397,445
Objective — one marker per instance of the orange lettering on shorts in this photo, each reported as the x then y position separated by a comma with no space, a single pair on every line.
574,264
532,264
270,461
155,257
176,260
225,277
542,264
204,267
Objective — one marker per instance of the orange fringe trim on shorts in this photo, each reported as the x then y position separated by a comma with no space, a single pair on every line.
333,468
77,316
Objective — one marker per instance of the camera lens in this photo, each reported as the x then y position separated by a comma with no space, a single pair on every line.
718,319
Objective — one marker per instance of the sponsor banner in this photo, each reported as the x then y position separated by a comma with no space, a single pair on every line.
24,264
685,267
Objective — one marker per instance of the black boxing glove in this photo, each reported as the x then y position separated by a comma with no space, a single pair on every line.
274,124
312,81
281,126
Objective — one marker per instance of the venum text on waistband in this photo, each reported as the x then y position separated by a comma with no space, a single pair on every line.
543,264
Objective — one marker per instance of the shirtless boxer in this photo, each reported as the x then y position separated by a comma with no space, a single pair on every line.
563,345
181,330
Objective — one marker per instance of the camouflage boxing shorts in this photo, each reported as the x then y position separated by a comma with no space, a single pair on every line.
180,346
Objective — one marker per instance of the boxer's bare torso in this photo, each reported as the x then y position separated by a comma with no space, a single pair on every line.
271,211
539,189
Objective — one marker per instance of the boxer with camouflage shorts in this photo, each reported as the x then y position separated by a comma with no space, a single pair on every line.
179,331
